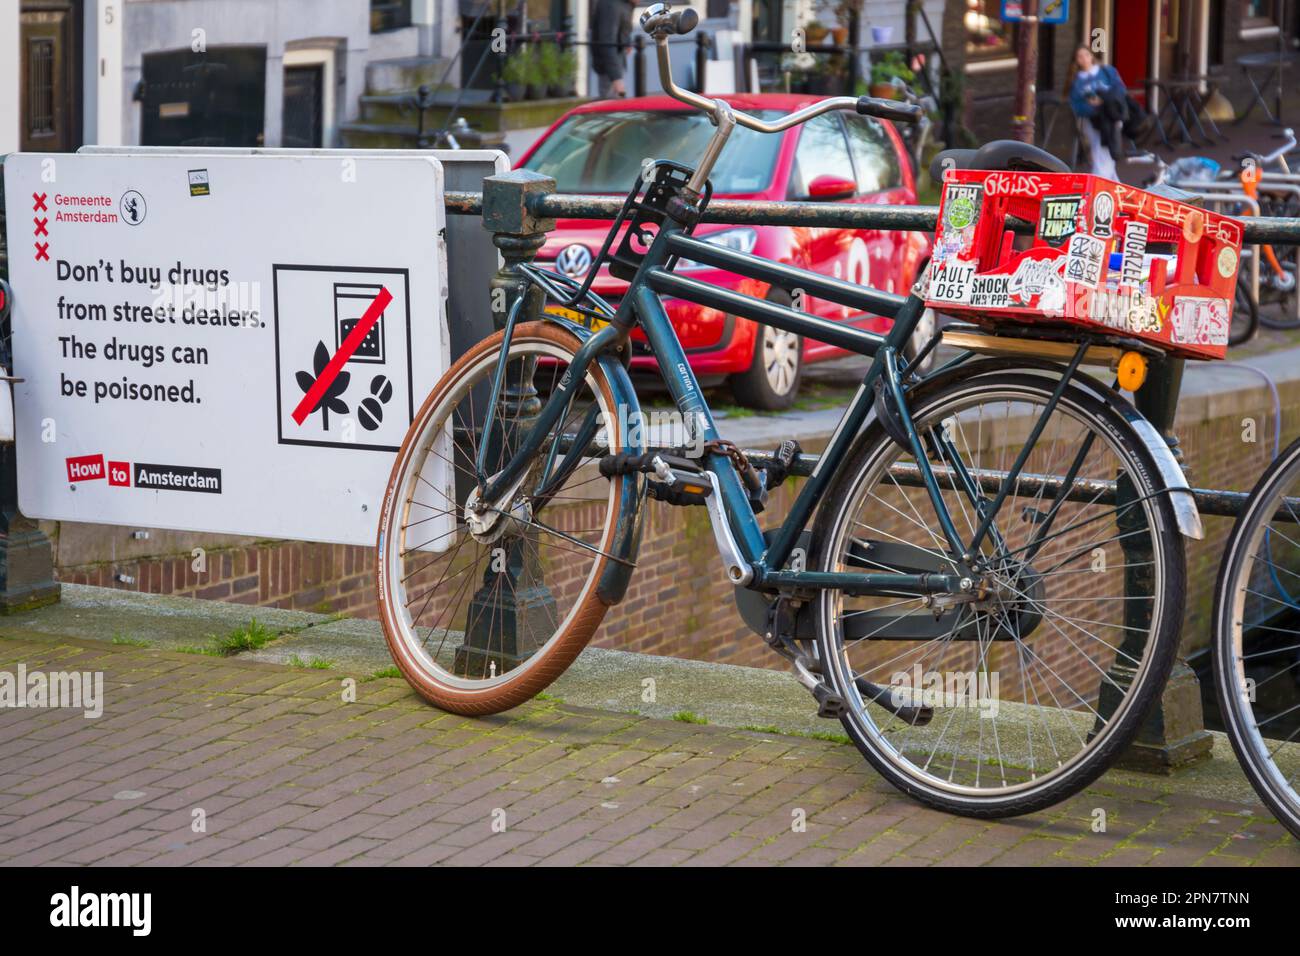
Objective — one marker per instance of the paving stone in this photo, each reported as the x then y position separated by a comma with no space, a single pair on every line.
288,774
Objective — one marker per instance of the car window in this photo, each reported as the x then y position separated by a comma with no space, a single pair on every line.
603,152
873,154
822,151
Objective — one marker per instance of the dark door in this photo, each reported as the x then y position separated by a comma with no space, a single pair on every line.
49,37
304,115
217,98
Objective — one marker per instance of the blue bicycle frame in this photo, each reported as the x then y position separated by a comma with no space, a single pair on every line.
751,560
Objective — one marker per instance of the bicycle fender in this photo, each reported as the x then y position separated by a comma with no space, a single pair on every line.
1181,498
1171,473
614,580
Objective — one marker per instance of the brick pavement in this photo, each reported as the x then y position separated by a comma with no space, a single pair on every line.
281,770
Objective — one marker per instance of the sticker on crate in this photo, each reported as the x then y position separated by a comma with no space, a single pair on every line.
1201,321
1083,262
1059,219
1103,256
1103,215
1039,282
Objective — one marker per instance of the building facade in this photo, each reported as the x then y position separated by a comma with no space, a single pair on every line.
199,72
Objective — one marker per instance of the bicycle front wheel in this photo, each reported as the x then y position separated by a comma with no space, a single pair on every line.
1011,697
483,607
1257,639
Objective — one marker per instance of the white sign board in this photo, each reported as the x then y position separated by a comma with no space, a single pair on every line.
221,343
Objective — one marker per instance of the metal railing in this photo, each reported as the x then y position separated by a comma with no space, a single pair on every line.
539,208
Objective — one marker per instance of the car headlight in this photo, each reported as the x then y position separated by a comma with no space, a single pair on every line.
738,240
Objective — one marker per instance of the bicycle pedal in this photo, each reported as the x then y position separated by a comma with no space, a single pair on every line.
675,487
829,704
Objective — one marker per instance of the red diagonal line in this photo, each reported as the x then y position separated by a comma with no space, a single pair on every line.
350,345
38,202
42,251
40,226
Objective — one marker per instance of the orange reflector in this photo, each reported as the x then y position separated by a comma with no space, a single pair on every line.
1132,371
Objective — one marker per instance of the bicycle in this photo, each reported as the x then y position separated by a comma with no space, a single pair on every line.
1256,652
1278,284
927,583
1267,181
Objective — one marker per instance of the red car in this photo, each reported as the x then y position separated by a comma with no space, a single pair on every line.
838,157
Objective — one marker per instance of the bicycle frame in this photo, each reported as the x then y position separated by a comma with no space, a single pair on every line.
751,561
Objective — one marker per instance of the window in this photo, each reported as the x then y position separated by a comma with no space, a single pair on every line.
987,37
874,155
1260,13
40,87
388,15
602,152
822,151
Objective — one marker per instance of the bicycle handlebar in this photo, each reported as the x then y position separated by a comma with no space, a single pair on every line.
661,22
1267,159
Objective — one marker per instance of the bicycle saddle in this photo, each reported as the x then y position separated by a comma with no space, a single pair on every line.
1006,154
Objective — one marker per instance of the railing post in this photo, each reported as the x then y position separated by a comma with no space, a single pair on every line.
505,612
638,64
701,60
26,556
1174,733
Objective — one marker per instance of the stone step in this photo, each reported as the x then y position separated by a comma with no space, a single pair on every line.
401,136
405,73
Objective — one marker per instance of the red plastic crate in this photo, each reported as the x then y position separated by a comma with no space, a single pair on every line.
1171,282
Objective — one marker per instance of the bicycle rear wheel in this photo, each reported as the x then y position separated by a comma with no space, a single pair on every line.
1257,639
482,609
1025,689
1245,314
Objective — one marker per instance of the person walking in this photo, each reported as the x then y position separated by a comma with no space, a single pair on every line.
611,37
1098,95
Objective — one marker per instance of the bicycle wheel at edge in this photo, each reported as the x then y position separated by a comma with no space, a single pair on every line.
1060,648
1256,640
481,623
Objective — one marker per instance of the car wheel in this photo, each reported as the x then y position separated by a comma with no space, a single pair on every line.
771,382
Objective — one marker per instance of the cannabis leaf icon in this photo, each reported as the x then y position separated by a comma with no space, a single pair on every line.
329,400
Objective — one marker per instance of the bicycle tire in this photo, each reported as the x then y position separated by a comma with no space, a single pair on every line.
1244,326
1228,639
1103,747
424,669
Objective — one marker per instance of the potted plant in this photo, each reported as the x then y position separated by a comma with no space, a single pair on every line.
567,70
536,79
548,69
815,31
884,71
514,74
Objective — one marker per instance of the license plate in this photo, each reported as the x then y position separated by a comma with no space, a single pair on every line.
575,316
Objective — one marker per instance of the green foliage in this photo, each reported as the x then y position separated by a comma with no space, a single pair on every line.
518,68
687,717
316,663
548,64
892,66
251,637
